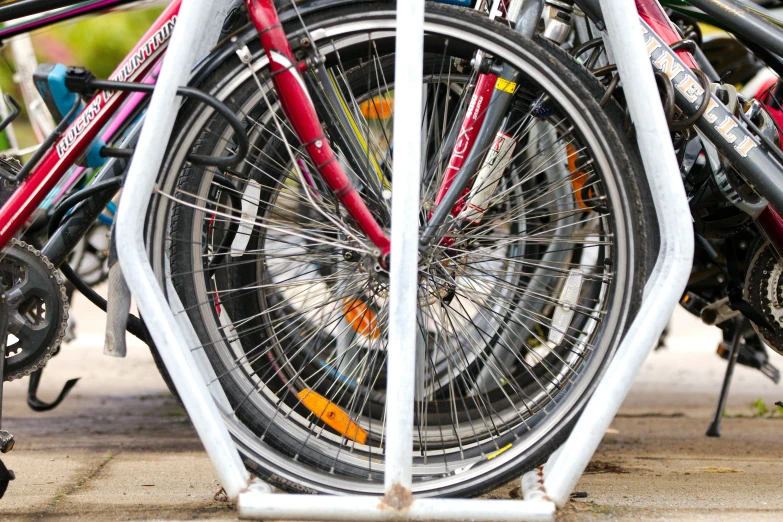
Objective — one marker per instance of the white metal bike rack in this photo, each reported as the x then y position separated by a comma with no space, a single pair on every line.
545,488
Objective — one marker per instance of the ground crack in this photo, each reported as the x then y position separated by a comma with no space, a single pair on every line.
81,482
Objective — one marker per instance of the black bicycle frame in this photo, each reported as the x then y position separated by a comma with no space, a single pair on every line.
752,160
50,11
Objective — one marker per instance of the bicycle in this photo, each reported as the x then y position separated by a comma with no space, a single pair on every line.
310,321
534,252
488,379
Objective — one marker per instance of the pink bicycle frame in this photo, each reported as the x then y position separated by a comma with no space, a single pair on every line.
85,127
290,87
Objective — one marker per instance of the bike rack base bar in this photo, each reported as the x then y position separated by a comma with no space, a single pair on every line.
318,507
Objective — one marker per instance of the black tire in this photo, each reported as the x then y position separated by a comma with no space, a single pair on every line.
173,227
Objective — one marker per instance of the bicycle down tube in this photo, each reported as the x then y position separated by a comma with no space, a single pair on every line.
725,131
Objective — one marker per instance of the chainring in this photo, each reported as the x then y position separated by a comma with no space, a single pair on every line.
37,308
764,291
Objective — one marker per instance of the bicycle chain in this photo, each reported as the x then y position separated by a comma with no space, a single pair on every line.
57,278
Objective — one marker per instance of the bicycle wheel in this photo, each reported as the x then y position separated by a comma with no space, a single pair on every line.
518,313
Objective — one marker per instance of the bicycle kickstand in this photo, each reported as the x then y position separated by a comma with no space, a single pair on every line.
739,324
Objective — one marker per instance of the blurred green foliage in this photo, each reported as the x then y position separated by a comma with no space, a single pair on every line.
101,42
98,42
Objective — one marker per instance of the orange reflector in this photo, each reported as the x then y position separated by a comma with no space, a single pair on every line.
377,108
332,415
578,178
361,318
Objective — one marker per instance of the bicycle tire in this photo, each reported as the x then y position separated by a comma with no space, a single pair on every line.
581,87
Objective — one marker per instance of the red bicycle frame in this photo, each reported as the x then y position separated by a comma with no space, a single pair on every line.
299,109
78,137
653,14
471,125
296,103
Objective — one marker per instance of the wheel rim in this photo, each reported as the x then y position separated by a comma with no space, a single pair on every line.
476,276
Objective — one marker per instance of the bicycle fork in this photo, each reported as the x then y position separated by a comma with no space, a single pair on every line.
481,132
300,112
493,94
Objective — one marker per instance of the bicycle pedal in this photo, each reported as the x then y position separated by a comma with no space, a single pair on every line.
6,441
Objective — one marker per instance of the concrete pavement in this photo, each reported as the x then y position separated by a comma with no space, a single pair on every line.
121,448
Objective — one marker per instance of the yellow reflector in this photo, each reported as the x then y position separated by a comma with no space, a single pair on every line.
332,415
505,85
498,452
578,178
377,108
361,318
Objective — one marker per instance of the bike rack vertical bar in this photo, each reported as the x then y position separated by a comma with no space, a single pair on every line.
398,503
404,249
198,26
675,258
